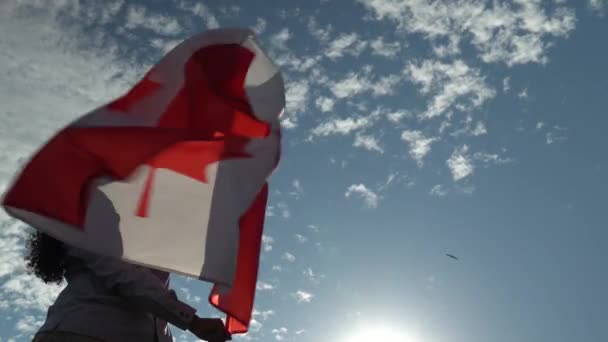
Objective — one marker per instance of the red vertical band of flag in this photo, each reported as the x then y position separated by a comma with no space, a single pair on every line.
238,303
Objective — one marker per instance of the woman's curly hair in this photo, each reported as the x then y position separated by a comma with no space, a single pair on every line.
45,257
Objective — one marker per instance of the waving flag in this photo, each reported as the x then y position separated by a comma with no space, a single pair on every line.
172,175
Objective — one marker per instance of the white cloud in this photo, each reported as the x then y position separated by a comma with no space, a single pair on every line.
355,84
262,286
489,158
301,238
254,326
296,96
186,292
164,45
139,17
540,125
320,33
265,314
312,276
200,10
297,186
267,242
279,334
302,64
341,126
419,144
506,84
368,142
313,227
460,163
325,104
369,197
346,43
42,56
285,213
556,134
28,324
597,5
438,190
260,26
289,257
511,33
381,48
270,211
279,39
449,84
449,48
480,129
397,116
392,177
523,94
303,296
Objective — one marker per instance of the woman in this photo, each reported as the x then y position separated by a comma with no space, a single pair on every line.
109,300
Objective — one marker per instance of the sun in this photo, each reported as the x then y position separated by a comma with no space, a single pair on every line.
381,333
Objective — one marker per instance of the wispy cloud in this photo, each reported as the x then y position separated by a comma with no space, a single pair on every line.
506,84
285,212
28,324
438,190
359,83
322,34
397,116
289,257
262,286
370,198
312,277
348,43
266,314
341,126
325,104
491,158
140,17
523,94
303,296
267,242
280,334
597,6
500,32
201,11
297,189
419,144
452,86
556,134
301,238
460,163
382,48
296,95
260,26
368,142
313,228
279,39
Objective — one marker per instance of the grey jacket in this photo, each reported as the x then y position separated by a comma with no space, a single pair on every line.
115,301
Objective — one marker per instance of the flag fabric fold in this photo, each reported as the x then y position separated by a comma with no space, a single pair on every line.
172,175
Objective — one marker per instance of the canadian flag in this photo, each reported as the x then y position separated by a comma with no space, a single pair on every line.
172,175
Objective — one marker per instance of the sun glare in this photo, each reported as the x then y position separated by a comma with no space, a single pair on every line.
381,334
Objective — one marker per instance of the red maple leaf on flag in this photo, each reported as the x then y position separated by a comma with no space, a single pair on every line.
189,158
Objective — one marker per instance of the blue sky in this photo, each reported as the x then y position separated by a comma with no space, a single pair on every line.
413,129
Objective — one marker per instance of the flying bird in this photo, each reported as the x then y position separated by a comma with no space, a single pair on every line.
451,256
